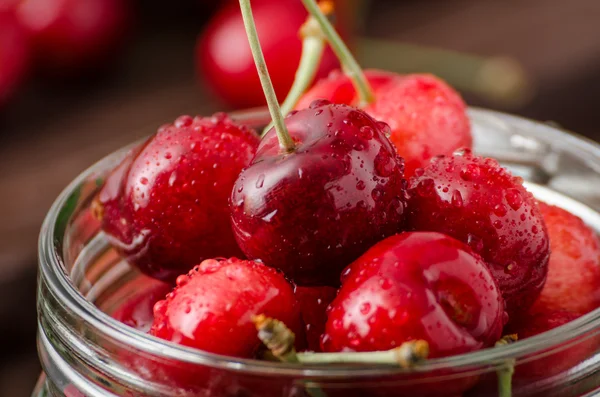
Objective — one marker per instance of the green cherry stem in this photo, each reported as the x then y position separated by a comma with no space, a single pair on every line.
285,141
279,339
349,63
313,46
505,372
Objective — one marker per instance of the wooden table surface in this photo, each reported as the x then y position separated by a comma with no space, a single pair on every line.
50,134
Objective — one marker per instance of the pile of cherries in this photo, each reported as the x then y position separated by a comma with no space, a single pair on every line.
361,225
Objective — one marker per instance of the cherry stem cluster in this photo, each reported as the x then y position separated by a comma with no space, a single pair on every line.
341,50
313,46
285,140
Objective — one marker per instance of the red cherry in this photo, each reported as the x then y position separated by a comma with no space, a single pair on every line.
573,281
165,208
224,60
15,54
313,211
478,202
427,117
72,35
137,310
211,308
420,285
542,320
313,307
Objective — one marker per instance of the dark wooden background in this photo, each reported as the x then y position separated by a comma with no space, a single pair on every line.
50,133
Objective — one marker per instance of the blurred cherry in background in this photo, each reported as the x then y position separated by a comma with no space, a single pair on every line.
14,55
223,58
71,37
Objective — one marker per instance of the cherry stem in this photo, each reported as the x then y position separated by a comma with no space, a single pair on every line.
285,141
506,371
407,355
349,63
313,45
279,339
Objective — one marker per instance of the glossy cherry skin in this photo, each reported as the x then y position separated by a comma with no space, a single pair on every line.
15,53
166,207
224,61
573,281
478,202
137,311
418,285
314,302
71,36
426,116
313,211
211,308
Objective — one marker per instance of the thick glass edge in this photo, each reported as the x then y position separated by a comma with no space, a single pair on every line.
51,270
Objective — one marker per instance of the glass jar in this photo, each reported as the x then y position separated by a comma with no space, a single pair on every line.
85,352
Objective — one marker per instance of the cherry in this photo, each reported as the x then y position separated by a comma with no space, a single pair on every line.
224,60
419,285
71,36
427,117
15,53
313,210
476,201
165,208
573,281
137,310
540,320
313,307
212,307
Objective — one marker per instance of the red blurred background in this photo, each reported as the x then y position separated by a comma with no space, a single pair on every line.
80,78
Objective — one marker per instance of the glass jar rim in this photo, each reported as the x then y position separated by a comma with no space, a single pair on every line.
53,271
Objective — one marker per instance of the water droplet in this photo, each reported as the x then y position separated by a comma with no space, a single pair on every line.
500,210
365,308
376,194
497,224
318,103
182,280
318,112
475,243
470,172
240,189
384,166
209,266
144,180
514,198
260,181
385,283
426,187
419,172
183,121
457,199
168,156
360,185
366,132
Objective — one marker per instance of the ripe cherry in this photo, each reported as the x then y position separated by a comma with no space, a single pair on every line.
15,53
476,201
573,281
312,211
137,311
426,116
72,36
224,60
420,285
540,320
165,208
212,307
313,307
